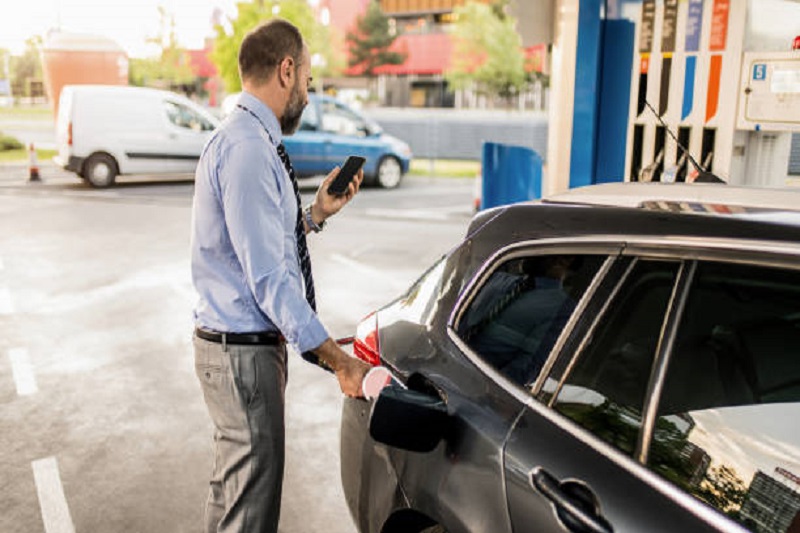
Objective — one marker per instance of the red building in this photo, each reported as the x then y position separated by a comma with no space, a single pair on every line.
424,37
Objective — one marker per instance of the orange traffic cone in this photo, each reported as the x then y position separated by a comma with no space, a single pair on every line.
33,165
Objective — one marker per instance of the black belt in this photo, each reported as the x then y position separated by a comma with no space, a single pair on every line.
261,337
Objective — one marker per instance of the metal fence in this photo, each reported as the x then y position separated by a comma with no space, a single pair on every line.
454,134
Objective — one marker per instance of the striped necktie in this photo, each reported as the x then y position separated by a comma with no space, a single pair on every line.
302,249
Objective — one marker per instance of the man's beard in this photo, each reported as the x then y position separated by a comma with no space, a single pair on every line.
294,110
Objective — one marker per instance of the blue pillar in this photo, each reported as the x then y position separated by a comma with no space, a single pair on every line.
615,98
587,94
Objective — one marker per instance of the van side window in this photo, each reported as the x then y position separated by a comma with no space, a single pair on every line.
519,313
183,117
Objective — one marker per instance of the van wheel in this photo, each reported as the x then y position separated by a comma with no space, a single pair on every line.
100,170
389,173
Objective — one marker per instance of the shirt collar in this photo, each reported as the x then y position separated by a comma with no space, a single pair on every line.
264,114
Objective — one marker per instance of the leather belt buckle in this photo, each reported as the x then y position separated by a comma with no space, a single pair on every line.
263,338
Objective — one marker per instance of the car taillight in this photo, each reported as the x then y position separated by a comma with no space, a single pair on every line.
365,346
69,134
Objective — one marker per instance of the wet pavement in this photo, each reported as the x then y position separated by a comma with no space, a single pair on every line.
102,421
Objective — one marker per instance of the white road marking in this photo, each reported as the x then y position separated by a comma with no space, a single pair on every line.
1,263
6,303
55,512
361,267
22,370
411,214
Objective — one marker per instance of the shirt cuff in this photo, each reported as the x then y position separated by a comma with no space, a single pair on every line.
312,336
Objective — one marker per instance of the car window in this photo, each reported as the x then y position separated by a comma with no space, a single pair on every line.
184,117
336,118
728,430
604,390
309,121
518,314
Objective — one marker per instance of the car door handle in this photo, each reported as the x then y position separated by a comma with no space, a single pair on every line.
576,505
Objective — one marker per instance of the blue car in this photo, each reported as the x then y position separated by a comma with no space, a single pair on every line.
330,131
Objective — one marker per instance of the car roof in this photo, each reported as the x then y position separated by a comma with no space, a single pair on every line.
668,213
645,194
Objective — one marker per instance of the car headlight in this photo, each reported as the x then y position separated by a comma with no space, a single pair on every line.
404,149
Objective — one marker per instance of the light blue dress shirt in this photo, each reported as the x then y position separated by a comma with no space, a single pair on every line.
245,265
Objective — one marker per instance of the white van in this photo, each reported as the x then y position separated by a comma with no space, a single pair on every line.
107,130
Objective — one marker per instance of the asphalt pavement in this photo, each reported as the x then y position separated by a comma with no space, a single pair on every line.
102,425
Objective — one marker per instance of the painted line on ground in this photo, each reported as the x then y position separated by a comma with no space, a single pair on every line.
1,264
22,370
6,303
361,267
53,503
409,214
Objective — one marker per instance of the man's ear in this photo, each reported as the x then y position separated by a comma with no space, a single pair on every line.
286,71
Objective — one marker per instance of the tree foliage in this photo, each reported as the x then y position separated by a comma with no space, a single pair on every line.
723,489
171,68
487,51
325,61
27,68
370,43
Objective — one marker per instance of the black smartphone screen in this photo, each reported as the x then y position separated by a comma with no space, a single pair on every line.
346,174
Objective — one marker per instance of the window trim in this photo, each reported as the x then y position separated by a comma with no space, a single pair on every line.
666,342
541,247
648,248
612,249
589,334
783,255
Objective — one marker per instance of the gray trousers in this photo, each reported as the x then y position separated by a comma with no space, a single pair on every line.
243,387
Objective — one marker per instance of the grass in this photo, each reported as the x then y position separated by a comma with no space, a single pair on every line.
446,168
11,156
26,112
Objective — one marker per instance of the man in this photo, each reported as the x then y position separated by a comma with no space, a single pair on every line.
517,317
251,268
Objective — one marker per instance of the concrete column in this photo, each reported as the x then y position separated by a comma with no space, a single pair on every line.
562,83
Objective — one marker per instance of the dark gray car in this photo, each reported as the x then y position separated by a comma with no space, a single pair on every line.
580,367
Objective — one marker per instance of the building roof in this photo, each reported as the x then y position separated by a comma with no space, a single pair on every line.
429,53
426,54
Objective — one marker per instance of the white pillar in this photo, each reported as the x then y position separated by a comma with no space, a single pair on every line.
562,83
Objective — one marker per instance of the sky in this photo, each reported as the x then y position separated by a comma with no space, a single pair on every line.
128,22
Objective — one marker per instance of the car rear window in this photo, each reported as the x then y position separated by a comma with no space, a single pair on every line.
519,312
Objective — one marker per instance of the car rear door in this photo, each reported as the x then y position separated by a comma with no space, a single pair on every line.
509,319
653,417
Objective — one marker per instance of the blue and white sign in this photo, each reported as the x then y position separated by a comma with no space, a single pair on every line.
694,23
760,71
5,88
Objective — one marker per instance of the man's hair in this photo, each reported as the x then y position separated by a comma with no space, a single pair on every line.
264,47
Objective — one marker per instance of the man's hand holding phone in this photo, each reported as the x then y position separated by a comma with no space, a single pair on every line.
338,188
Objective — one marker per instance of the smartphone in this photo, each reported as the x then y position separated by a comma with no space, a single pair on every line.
346,174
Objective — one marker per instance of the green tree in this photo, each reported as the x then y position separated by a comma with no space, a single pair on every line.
487,51
723,489
171,68
325,61
26,70
370,43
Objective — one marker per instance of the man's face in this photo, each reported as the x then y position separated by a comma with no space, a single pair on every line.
298,98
